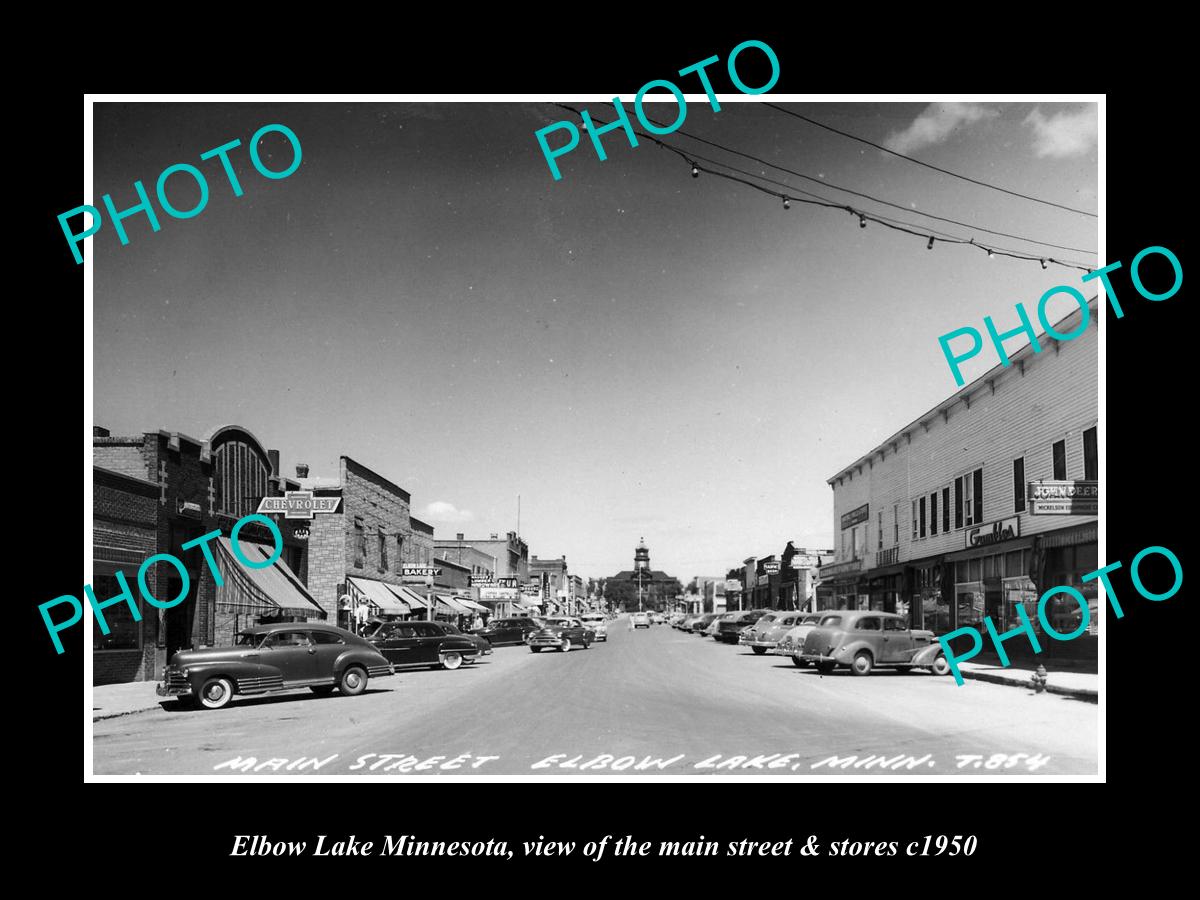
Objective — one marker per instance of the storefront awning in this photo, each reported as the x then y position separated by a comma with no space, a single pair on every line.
415,601
379,596
471,604
454,604
274,590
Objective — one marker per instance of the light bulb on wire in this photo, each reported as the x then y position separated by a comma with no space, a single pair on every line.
695,172
929,246
787,204
991,255
862,221
1043,264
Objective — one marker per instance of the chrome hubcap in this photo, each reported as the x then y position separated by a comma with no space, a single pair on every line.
353,680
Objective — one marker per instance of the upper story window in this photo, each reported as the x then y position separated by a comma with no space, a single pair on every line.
1019,484
360,543
383,554
240,474
968,499
1060,460
1091,462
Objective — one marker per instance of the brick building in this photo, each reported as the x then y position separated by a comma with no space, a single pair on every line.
200,486
956,515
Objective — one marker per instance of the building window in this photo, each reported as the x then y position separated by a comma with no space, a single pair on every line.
400,549
922,503
968,495
1019,484
124,633
914,518
383,560
945,510
360,543
958,503
896,524
933,513
880,529
1060,460
978,478
1091,463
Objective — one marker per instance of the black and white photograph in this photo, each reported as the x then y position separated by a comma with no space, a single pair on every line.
722,436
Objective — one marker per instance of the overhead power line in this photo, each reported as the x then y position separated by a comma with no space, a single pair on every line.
994,187
863,215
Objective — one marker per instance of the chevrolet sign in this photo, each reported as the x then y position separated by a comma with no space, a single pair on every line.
298,505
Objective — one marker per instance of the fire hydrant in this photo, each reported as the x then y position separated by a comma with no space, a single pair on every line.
1038,681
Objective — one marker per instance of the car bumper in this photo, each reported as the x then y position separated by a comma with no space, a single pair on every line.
163,689
769,645
818,659
783,651
545,642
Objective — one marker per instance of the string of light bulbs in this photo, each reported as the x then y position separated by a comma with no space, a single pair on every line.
829,184
994,187
863,216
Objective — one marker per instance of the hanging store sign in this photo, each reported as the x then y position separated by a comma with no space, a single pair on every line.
856,516
298,505
994,533
420,571
498,593
1064,498
771,568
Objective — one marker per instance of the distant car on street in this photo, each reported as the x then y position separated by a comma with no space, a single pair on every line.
702,622
864,640
792,642
498,632
641,620
419,643
732,624
562,633
658,618
598,624
274,658
762,639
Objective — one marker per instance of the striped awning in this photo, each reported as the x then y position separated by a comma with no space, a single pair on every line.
471,604
274,590
378,595
453,604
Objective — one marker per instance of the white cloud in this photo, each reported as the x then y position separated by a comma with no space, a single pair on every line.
1068,133
936,123
441,511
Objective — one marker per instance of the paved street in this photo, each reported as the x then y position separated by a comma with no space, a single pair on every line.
648,695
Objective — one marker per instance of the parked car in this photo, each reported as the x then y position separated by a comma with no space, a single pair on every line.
792,642
713,629
766,617
641,620
702,622
274,658
419,643
508,631
734,623
597,623
685,624
866,639
561,633
760,640
658,618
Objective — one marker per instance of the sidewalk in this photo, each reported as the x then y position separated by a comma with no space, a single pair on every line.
1080,685
111,700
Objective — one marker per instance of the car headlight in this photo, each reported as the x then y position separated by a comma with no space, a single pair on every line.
184,672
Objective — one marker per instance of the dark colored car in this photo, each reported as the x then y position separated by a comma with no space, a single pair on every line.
702,622
508,631
274,658
561,633
407,644
867,639
731,626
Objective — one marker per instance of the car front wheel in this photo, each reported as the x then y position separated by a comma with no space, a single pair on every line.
862,664
565,645
759,651
216,692
826,668
451,660
354,681
940,666
536,649
799,663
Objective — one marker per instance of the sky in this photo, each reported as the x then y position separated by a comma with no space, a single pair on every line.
632,351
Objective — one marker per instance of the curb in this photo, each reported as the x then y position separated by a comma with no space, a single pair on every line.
128,712
1084,694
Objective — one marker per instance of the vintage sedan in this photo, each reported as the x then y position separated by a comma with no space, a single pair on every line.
865,639
508,631
420,643
793,641
274,658
561,633
733,624
597,623
763,638
702,622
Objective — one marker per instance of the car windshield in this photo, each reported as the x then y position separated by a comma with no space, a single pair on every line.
452,629
249,640
810,620
592,619
766,619
831,621
558,623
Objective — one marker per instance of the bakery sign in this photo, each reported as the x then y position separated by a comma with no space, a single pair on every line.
1064,498
994,532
